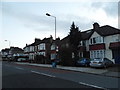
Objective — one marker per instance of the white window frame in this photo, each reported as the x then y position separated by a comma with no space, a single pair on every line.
96,40
42,53
42,46
53,47
97,54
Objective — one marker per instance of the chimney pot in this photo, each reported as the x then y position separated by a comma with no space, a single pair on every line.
96,25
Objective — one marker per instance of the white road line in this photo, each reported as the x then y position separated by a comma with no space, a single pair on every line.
7,65
42,74
93,86
19,68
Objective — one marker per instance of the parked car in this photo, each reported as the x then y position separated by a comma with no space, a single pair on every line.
83,62
22,59
101,62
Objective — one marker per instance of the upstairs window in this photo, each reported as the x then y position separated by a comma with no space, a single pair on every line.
53,47
31,48
96,40
42,46
82,43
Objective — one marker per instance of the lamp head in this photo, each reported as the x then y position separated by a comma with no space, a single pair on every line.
48,14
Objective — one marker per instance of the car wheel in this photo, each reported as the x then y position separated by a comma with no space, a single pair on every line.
105,66
86,65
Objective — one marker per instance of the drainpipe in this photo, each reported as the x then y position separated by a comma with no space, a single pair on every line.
105,46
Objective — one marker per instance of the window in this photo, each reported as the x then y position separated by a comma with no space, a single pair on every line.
96,40
97,54
53,56
42,53
42,46
90,41
83,43
31,48
53,47
102,53
80,43
91,54
67,45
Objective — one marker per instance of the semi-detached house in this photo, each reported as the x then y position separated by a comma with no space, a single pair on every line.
101,42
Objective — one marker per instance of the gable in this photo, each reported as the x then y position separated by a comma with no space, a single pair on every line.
95,34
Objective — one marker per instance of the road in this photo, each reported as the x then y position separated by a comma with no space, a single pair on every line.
25,76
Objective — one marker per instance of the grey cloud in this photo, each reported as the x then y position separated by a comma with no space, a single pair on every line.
119,8
111,8
97,4
119,14
28,19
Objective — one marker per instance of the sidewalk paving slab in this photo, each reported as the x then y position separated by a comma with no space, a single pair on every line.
89,70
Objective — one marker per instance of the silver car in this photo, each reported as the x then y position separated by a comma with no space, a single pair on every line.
101,62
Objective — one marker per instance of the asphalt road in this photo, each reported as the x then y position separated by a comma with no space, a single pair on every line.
24,76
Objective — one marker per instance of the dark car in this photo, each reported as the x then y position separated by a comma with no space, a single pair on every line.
101,62
83,62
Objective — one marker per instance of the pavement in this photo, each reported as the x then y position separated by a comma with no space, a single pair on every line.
104,72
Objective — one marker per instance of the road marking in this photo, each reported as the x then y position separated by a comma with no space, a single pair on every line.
19,68
42,74
93,86
7,65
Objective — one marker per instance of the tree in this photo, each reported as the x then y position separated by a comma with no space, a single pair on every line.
75,38
65,55
75,35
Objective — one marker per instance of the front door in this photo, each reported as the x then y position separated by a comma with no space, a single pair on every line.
116,55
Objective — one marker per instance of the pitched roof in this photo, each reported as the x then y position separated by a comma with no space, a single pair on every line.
65,40
107,30
46,40
86,34
5,50
103,31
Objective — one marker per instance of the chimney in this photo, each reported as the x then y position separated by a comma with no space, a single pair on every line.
37,40
96,25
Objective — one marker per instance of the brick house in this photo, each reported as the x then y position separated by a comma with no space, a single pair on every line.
31,49
44,48
55,49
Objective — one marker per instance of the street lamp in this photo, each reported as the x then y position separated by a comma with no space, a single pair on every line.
55,35
8,41
55,22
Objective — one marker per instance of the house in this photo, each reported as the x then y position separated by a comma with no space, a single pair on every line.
44,49
55,49
32,49
83,46
15,50
38,50
66,54
5,53
10,53
101,42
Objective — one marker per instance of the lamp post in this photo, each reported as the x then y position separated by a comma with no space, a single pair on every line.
8,41
55,22
55,36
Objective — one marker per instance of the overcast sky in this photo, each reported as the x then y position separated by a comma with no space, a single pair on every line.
22,22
